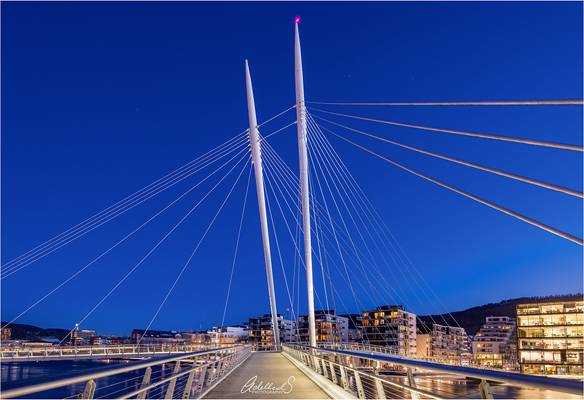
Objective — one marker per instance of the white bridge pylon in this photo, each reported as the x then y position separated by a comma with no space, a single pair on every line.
304,188
256,157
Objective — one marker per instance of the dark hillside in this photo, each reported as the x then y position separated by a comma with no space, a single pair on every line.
471,319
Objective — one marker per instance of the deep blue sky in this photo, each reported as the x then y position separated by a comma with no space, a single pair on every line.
98,100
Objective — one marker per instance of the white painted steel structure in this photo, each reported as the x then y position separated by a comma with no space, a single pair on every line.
304,188
130,351
193,375
256,156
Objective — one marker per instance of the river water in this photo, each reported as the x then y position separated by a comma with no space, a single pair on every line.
15,374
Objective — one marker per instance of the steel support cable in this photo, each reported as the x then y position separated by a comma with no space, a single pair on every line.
333,232
101,220
161,181
113,289
110,395
319,246
198,245
348,279
495,171
289,185
347,276
262,138
291,180
370,216
462,133
280,254
319,159
374,215
236,249
240,137
459,103
295,241
298,225
275,116
124,238
345,186
497,207
15,268
343,222
297,248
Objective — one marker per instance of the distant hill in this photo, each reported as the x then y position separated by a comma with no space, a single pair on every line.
471,319
31,332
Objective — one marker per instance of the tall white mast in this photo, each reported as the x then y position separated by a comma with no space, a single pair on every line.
303,158
256,157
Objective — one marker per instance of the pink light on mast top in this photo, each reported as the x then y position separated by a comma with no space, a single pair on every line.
297,20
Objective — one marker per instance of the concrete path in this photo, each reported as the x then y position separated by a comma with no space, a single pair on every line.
267,376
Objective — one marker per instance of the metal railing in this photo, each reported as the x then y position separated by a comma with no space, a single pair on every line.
84,352
462,360
190,375
350,369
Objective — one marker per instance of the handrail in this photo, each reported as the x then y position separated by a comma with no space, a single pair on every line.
372,376
105,372
539,382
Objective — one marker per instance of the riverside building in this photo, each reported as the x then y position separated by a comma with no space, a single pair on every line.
494,345
390,326
260,332
329,327
442,343
550,337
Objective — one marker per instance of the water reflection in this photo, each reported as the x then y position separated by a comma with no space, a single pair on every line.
453,387
15,374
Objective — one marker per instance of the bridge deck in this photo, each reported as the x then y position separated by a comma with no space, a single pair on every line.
275,378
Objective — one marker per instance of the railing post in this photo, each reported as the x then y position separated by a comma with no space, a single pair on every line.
211,373
189,385
485,390
315,363
89,390
145,382
376,367
323,368
359,384
202,378
172,384
379,389
412,384
333,374
344,381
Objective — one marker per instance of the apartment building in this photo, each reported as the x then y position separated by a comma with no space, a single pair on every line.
550,337
227,335
494,345
261,334
82,337
390,326
152,337
354,333
329,327
442,343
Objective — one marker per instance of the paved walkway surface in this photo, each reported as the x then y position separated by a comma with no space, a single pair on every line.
267,376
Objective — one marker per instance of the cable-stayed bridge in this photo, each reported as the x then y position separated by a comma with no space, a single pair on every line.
333,226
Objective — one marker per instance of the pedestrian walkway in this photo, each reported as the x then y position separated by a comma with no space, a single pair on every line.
267,376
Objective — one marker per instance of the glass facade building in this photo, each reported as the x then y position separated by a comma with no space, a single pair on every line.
550,337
